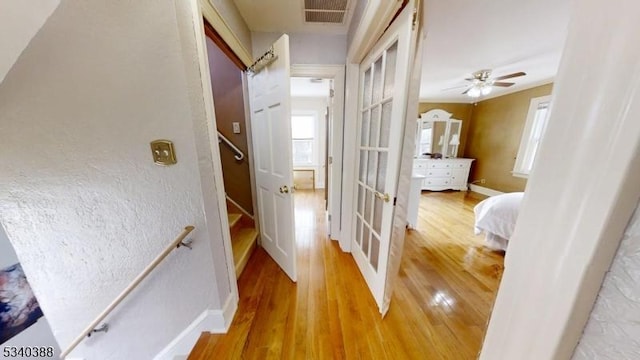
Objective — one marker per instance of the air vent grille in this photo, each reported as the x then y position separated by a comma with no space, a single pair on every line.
325,5
325,11
324,17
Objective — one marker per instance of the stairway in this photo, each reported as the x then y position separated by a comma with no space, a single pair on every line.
243,238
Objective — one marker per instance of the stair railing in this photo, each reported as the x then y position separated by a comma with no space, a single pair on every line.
93,326
239,154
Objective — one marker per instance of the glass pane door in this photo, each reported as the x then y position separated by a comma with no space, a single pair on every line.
382,105
376,108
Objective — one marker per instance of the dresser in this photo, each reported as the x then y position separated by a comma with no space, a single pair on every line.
443,174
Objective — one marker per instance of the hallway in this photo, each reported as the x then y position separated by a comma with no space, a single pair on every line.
440,307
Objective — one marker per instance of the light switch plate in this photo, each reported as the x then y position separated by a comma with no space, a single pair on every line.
236,128
163,152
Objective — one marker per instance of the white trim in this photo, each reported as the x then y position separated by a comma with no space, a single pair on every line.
207,92
209,12
349,153
335,150
484,191
375,18
520,174
577,205
213,321
249,135
525,137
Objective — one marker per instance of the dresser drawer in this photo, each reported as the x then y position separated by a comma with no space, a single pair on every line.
459,177
438,173
460,165
439,165
436,181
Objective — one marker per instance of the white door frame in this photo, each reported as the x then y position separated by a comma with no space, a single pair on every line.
335,72
205,78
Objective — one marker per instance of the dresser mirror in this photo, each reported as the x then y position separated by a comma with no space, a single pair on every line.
437,133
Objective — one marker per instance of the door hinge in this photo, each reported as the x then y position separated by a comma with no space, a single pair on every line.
329,217
395,200
330,160
332,93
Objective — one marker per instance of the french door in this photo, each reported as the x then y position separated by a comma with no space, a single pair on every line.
382,106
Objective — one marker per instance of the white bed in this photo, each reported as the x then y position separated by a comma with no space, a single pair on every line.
497,217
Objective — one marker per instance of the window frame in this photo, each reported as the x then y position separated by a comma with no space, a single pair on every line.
526,144
314,147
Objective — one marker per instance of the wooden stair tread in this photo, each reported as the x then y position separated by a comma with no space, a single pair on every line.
243,242
234,219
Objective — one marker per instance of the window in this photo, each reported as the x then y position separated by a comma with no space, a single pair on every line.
532,135
303,135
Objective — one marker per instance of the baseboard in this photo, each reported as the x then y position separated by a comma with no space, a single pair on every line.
214,321
484,191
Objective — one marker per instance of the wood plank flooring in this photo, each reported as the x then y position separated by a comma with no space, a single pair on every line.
442,300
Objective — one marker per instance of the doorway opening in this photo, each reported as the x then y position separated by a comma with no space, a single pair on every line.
228,90
311,117
311,108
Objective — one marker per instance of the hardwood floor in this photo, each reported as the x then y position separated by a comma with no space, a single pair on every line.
442,300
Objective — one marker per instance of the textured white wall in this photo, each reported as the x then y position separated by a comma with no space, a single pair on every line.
305,48
38,334
613,330
233,18
80,198
20,20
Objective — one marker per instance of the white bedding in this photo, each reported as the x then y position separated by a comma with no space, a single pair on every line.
497,217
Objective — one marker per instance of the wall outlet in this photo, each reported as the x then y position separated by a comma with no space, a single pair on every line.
482,181
236,128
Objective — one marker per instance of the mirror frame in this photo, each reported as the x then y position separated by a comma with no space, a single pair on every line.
442,116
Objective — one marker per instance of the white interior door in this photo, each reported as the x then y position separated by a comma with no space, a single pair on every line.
382,106
270,103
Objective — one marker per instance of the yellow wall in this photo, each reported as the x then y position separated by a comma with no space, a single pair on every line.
494,138
491,132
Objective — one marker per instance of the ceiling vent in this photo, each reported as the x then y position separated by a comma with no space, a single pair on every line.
325,11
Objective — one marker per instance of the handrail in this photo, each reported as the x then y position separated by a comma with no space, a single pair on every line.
243,210
90,329
239,154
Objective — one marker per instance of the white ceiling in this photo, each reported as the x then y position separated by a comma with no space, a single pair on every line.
463,36
286,16
20,20
508,36
303,87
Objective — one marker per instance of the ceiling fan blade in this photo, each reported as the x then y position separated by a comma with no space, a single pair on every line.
455,87
503,84
466,91
503,77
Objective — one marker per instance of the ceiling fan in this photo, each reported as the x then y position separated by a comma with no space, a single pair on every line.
482,83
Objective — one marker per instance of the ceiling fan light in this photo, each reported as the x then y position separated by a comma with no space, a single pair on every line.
486,90
474,92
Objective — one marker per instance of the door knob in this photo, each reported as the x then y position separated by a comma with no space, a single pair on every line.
382,196
284,189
